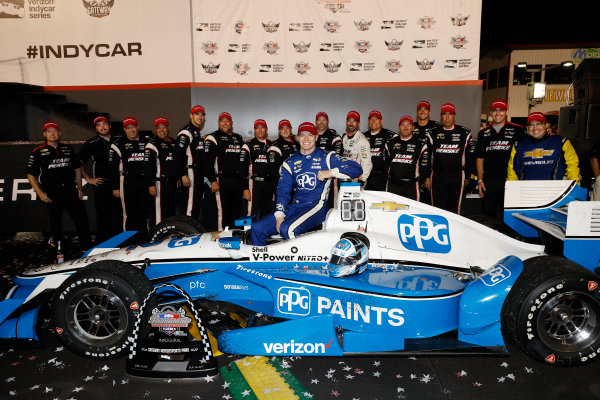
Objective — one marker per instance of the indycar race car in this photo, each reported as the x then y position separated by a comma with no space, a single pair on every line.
435,281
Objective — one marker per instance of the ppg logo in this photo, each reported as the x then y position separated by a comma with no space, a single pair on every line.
181,242
495,275
422,232
307,180
294,301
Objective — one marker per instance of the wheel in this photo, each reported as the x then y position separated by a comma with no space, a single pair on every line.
180,225
94,310
553,311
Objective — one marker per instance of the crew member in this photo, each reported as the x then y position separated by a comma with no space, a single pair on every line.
281,149
378,136
190,146
306,176
595,165
59,186
492,152
540,156
423,131
256,180
328,138
409,160
127,164
108,208
162,172
356,145
222,166
451,160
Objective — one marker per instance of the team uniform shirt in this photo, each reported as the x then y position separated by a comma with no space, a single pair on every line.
53,166
254,162
330,141
357,148
191,148
452,149
222,152
127,159
161,163
279,151
97,149
423,132
409,159
547,158
494,148
377,143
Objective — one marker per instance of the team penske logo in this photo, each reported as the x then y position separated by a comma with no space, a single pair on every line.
538,153
362,25
210,47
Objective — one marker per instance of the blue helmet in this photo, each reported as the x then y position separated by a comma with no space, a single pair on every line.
349,256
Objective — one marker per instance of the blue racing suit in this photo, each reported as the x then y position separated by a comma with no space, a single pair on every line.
308,208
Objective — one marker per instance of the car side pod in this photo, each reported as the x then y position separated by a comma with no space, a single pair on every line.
313,336
20,327
481,303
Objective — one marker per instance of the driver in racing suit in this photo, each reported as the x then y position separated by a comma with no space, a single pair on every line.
356,145
308,175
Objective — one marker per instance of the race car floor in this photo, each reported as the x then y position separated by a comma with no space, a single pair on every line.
50,371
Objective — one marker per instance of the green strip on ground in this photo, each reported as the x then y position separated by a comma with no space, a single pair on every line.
295,385
238,387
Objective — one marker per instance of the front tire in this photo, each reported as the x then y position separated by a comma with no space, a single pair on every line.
180,225
553,312
95,309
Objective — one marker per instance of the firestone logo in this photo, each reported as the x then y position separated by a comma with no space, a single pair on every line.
98,8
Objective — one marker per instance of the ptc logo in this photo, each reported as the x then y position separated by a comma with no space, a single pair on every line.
307,180
294,301
422,232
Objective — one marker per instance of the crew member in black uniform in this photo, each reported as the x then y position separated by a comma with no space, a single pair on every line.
127,164
258,185
378,136
190,146
328,138
59,186
222,166
108,208
281,149
162,172
451,152
409,159
423,130
492,152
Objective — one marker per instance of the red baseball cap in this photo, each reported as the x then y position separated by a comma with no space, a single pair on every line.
536,116
197,109
51,124
422,104
99,119
406,118
129,121
353,114
284,122
225,115
260,122
501,104
322,114
375,114
307,127
448,107
161,120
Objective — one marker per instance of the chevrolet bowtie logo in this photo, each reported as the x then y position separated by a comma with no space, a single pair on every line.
538,153
389,206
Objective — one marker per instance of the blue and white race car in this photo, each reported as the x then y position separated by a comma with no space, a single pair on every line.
435,281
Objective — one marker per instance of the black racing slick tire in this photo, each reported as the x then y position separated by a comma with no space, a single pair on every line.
95,309
552,312
180,225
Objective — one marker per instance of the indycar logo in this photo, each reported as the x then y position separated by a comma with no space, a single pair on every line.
307,180
421,232
294,301
495,275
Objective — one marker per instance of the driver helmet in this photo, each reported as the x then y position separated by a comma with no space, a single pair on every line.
349,256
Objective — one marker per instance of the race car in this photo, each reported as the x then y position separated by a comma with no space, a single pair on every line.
434,281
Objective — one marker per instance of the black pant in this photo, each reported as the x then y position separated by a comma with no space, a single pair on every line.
108,212
229,201
405,189
164,204
65,197
134,201
261,202
492,203
376,181
447,190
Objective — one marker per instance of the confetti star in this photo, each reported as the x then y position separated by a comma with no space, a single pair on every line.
461,373
329,376
501,379
13,392
226,385
209,378
34,387
226,396
331,371
347,368
124,381
58,349
52,360
426,378
105,368
48,390
358,370
529,370
32,358
335,393
267,391
399,389
376,363
413,376
307,395
504,364
511,376
11,379
246,393
398,376
78,389
477,384
349,376
14,364
376,374
285,364
314,381
88,378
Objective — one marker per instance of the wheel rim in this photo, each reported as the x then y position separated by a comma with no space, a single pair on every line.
568,322
98,316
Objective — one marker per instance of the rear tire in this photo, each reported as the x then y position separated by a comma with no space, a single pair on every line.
553,312
180,225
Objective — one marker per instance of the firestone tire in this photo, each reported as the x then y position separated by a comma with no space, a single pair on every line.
180,225
553,312
94,310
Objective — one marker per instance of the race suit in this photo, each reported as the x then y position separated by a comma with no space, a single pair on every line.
330,141
308,207
279,151
422,132
256,177
190,147
357,148
378,176
546,158
162,169
409,160
223,165
108,208
493,147
451,160
127,164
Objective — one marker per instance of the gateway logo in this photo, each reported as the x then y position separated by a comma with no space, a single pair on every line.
297,347
98,8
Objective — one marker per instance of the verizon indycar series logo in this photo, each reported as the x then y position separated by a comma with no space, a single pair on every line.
393,24
335,46
270,27
208,26
393,44
362,25
301,47
332,67
210,47
425,233
393,66
302,67
210,68
301,26
241,68
98,8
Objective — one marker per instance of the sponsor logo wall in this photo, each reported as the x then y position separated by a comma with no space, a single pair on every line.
331,41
